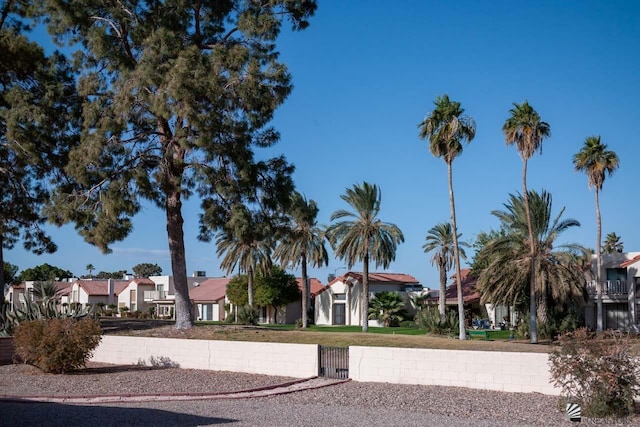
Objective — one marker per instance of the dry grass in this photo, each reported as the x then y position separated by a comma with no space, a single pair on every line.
335,339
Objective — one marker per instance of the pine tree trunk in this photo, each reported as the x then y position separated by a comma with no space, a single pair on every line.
305,291
533,327
2,278
600,322
364,315
184,316
456,255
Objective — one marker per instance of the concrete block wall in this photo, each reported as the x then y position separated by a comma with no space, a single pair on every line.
511,372
290,360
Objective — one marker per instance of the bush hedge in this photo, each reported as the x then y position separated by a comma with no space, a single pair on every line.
599,372
57,345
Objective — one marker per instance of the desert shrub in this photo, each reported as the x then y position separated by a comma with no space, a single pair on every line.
428,318
599,372
57,345
247,316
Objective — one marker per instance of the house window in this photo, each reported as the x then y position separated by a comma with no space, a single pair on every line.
616,274
74,298
340,297
339,317
133,299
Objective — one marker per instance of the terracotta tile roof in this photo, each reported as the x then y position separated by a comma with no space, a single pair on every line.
64,288
101,287
209,290
628,262
469,293
315,286
373,278
384,277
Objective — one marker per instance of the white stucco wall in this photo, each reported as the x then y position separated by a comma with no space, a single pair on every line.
488,370
291,360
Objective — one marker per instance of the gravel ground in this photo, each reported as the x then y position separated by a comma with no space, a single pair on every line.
349,403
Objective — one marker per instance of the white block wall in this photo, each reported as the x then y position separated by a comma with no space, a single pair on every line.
290,360
511,372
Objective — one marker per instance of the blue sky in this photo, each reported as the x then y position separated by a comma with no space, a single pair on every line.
366,74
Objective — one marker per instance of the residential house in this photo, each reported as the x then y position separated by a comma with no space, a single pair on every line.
290,313
97,291
209,298
164,294
491,316
620,278
339,303
17,294
132,295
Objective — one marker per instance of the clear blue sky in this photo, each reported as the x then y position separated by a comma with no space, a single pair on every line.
366,74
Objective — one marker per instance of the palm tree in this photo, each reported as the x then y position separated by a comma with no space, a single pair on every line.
90,268
612,244
387,307
558,269
596,161
440,240
364,237
302,244
447,128
526,130
246,242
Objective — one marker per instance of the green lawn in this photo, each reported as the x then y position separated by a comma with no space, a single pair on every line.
373,330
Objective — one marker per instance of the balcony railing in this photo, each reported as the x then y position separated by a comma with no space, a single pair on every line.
609,287
154,295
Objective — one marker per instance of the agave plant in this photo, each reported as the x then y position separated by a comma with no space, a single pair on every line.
47,308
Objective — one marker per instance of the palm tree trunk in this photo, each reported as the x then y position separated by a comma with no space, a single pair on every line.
305,290
600,323
542,309
456,255
364,309
250,286
533,328
443,292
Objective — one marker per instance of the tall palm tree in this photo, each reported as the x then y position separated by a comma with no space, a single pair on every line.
246,242
303,243
362,236
90,268
612,244
440,240
597,162
446,129
526,130
559,272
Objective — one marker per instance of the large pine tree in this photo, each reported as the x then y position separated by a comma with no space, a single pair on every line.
177,96
38,112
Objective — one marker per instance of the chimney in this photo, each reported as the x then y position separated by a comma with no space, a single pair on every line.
110,291
330,277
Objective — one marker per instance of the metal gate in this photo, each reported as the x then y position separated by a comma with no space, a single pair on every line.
334,362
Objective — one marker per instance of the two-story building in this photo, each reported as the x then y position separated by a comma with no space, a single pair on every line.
620,278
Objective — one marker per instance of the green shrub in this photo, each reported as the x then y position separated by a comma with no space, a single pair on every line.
599,372
428,318
57,345
248,316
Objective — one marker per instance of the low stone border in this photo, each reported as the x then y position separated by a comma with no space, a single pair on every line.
7,350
